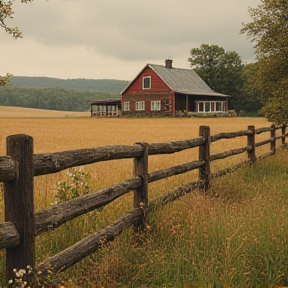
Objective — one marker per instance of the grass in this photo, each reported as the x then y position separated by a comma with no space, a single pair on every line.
236,237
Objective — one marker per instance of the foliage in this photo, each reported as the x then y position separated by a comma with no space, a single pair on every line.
77,184
269,32
4,80
51,98
6,11
250,101
221,70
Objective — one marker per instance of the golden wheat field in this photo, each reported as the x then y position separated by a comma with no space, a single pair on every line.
55,131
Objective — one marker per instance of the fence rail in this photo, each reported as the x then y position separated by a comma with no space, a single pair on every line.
20,166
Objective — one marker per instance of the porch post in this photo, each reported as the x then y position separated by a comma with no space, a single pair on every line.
173,104
187,103
91,109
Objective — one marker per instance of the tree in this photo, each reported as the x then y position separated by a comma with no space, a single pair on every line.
221,70
6,11
249,104
269,31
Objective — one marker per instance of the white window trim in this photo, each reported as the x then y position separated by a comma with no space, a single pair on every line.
215,106
126,105
143,80
155,105
140,106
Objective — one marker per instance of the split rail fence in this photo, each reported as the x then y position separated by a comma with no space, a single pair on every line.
20,166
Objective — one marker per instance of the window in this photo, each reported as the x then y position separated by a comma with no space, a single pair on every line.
212,106
146,84
140,106
209,107
155,105
126,105
219,106
200,107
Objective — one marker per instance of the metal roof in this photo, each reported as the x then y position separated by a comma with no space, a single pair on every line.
106,102
185,81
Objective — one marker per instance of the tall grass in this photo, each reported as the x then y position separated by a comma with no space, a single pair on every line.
234,237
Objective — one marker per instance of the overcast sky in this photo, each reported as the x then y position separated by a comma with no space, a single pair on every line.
115,39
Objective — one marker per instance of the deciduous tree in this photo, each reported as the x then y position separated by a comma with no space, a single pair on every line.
269,32
249,104
221,70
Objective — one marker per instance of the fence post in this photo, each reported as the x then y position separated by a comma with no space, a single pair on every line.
19,203
273,139
283,129
204,155
251,142
141,193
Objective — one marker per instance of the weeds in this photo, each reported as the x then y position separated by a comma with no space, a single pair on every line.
77,184
29,278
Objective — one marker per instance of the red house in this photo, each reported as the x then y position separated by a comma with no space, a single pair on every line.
164,90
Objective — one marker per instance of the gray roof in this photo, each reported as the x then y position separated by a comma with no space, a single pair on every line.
185,81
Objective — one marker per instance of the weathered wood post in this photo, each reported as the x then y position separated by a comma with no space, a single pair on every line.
273,139
251,143
141,193
19,203
283,130
204,155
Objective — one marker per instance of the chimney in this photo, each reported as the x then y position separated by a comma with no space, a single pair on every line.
168,63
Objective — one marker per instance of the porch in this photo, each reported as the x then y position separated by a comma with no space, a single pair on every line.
201,103
105,108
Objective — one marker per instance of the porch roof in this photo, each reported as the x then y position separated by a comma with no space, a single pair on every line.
106,102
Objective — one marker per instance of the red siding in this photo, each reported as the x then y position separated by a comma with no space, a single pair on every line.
157,84
158,91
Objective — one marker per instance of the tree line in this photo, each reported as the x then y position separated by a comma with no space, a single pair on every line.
52,98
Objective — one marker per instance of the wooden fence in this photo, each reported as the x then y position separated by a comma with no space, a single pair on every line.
20,166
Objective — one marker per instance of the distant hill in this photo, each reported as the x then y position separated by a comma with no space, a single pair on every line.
100,85
59,94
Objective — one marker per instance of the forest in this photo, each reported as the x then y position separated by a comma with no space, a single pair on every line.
59,94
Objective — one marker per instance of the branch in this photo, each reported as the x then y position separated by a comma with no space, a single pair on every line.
4,80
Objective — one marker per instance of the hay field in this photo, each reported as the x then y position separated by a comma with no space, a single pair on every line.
61,130
20,112
53,133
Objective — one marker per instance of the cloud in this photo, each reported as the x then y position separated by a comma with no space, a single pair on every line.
128,31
